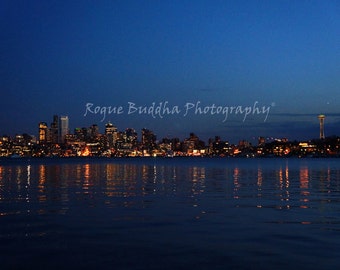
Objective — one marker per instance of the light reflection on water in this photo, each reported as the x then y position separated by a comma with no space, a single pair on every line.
56,181
180,212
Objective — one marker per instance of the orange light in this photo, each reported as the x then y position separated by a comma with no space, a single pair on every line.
86,152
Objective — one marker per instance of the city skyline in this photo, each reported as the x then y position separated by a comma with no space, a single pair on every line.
317,128
59,128
57,57
56,140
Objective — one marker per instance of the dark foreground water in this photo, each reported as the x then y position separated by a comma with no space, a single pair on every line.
179,213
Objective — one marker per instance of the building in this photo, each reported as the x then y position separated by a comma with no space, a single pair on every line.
93,132
111,134
54,130
148,140
322,121
63,128
43,133
57,132
131,136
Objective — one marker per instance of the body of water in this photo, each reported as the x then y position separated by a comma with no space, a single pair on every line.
175,213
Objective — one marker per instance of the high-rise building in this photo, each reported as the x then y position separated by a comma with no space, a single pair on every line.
93,131
148,139
131,136
111,134
43,132
63,128
322,121
54,130
80,133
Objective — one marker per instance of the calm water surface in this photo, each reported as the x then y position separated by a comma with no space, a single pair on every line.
179,213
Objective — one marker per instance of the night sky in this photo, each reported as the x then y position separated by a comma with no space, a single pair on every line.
57,56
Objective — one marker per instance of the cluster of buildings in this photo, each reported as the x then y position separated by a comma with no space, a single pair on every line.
55,140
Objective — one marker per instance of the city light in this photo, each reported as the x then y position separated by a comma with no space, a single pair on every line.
56,140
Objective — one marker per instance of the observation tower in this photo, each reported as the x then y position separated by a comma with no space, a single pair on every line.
322,120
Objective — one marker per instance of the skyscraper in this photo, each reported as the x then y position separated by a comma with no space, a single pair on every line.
322,120
63,128
148,139
131,136
54,130
94,131
111,134
43,132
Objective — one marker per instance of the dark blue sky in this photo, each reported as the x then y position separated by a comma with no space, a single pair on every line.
57,56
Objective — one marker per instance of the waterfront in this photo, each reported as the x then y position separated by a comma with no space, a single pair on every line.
170,213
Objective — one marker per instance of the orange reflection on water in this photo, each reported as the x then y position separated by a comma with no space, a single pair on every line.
304,185
121,180
18,171
259,184
236,176
110,170
306,222
42,175
283,177
287,176
28,183
87,171
259,177
111,183
78,172
130,180
197,174
41,183
304,177
86,183
28,174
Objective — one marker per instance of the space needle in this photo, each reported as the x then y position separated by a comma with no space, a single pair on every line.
322,120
